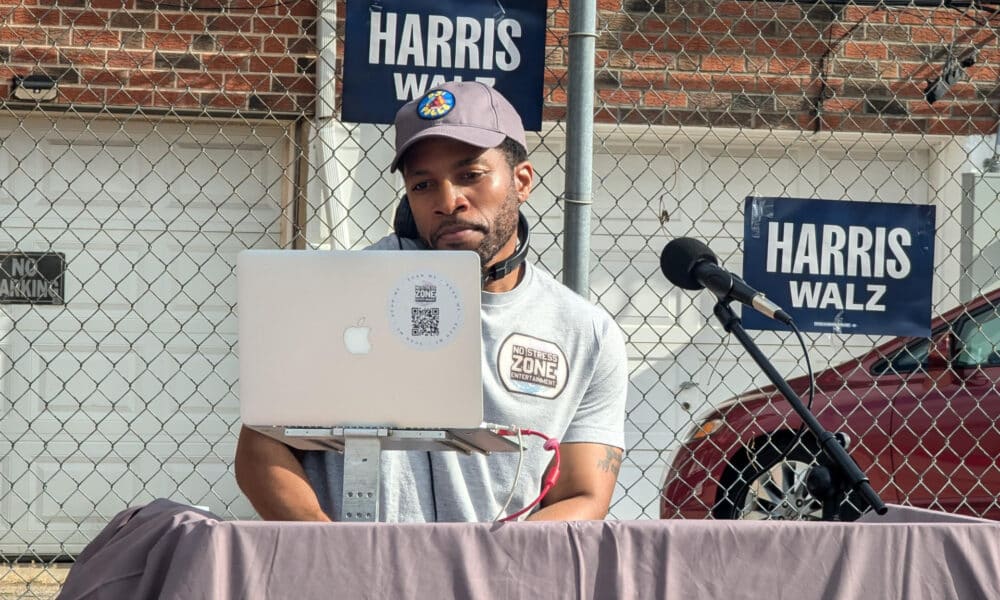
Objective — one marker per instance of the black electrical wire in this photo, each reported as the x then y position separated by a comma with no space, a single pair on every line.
812,383
811,392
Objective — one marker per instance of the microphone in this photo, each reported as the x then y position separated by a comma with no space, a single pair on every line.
692,265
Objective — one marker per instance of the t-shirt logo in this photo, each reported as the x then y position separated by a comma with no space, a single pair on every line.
528,365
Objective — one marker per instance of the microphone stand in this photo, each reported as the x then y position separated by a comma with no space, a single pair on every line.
837,473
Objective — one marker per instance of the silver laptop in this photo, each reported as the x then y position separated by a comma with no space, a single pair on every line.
351,339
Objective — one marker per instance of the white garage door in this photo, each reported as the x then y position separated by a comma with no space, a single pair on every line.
126,393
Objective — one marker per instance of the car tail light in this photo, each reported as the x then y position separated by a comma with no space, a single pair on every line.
706,429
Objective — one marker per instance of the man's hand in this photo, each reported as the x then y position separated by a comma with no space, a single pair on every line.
588,473
273,480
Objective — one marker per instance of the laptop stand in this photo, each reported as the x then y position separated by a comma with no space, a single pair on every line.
362,448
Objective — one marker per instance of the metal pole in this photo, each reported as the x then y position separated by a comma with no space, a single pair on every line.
326,59
579,146
334,210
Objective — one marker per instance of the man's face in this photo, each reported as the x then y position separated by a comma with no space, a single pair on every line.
465,198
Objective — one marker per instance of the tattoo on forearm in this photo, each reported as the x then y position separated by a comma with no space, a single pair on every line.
612,462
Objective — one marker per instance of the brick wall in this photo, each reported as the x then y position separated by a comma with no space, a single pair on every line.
691,62
129,54
789,66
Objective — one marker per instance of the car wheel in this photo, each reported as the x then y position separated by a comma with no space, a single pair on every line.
761,487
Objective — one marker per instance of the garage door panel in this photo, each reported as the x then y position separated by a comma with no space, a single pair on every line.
628,290
858,176
136,277
138,366
66,377
726,181
78,491
81,494
57,375
218,188
55,495
206,482
628,193
203,380
106,181
94,174
173,398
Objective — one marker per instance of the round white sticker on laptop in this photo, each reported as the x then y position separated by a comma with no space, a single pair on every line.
425,310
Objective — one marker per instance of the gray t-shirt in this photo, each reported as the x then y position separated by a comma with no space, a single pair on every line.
552,362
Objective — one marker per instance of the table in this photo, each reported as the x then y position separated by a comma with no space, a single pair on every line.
172,551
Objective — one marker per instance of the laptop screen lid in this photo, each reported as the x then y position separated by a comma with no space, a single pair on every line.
360,339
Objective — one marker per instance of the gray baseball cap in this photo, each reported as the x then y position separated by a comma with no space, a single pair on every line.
467,111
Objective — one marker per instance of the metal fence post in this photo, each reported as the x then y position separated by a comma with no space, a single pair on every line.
579,146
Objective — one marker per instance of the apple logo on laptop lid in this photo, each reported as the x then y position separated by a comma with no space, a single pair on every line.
356,339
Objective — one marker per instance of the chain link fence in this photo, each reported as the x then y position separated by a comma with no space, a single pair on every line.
146,143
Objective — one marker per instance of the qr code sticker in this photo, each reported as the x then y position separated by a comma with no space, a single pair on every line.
425,321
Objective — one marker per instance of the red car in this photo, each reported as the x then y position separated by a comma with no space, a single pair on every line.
921,418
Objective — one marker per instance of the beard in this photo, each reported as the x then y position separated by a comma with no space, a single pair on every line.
496,234
504,227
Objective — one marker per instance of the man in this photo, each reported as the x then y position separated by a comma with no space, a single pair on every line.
461,150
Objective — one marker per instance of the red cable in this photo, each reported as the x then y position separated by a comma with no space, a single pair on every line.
551,477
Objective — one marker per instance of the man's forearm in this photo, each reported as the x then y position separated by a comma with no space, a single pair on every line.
274,481
583,491
576,508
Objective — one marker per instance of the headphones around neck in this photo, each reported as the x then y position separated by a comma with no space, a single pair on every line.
406,227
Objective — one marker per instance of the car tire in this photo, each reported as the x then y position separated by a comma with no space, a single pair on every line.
756,486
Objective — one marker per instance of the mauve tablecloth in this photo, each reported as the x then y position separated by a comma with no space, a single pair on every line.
171,551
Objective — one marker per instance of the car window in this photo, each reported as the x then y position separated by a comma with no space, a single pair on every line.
979,340
908,359
978,345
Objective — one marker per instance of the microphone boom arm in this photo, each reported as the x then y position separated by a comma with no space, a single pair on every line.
844,471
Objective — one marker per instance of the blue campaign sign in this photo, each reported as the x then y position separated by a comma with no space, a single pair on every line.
395,50
839,266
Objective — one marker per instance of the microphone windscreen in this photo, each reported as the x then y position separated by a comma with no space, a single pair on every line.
678,259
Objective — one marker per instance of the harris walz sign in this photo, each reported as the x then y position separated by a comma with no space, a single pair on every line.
32,277
841,267
395,50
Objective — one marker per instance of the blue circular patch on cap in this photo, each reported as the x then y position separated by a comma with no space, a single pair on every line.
436,104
